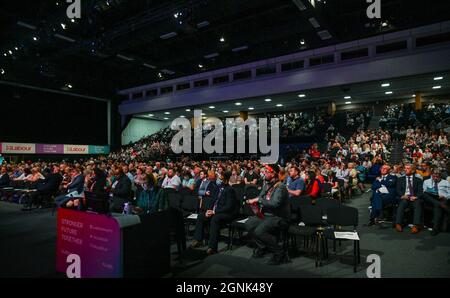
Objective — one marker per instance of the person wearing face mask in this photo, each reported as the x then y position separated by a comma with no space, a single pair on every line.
436,193
273,212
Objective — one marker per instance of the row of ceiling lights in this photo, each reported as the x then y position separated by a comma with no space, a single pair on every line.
302,95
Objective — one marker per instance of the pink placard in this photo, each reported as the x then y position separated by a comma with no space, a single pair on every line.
94,238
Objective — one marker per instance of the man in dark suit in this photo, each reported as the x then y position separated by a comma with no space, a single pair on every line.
409,189
207,191
4,177
224,209
49,186
121,190
384,191
74,189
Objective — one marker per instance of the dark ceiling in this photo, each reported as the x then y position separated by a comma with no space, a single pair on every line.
120,43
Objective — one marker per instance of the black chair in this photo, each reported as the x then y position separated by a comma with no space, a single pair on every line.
342,190
177,219
326,191
324,204
237,225
311,219
189,206
240,191
174,199
340,217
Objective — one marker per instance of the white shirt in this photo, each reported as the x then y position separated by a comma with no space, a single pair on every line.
173,182
443,188
407,193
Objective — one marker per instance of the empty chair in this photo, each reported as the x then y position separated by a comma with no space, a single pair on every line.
311,217
339,218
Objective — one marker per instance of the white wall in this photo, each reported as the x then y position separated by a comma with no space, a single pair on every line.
139,128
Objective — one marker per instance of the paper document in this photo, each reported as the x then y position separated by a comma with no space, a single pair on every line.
346,235
193,216
383,189
243,221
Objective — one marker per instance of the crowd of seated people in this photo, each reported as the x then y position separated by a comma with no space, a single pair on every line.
402,117
344,167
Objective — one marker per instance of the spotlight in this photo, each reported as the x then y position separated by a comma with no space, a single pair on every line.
2,71
69,86
165,118
437,87
268,100
188,110
64,26
200,65
302,42
388,92
35,38
238,104
4,54
302,95
438,78
279,105
348,102
72,20
212,107
251,108
182,116
226,111
167,113
385,85
10,52
347,97
151,115
222,39
16,48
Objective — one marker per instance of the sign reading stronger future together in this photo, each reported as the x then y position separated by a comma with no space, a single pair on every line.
30,148
94,238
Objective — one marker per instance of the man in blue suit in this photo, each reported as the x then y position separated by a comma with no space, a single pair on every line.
73,190
383,193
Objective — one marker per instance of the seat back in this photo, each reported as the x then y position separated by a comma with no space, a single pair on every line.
310,215
296,203
324,204
189,203
342,216
174,198
326,188
240,191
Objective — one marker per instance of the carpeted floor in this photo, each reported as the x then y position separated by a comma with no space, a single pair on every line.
27,249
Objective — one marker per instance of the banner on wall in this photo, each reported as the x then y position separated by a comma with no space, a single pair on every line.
98,149
30,148
76,149
49,149
18,148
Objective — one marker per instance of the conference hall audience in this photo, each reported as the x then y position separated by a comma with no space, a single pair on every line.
405,163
